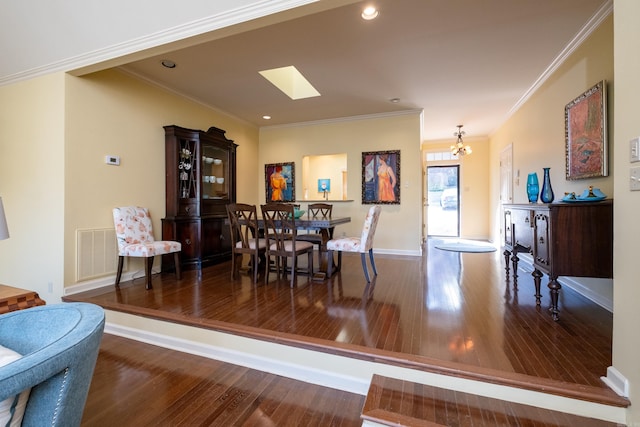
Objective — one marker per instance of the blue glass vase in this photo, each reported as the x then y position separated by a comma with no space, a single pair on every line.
532,187
546,195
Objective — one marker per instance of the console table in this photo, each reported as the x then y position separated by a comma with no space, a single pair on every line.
565,239
12,299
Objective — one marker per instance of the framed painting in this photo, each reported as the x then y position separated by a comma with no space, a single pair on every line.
280,182
381,177
585,121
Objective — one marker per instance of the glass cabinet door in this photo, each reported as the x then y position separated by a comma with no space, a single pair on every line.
215,173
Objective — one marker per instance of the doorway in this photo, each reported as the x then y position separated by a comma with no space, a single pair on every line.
443,201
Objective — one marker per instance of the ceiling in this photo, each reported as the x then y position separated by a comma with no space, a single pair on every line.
460,61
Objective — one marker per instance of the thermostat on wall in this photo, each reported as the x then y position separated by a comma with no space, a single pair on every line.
112,160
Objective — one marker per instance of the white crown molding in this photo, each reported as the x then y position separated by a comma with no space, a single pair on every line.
169,35
601,14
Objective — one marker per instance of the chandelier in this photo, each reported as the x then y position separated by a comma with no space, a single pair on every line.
459,149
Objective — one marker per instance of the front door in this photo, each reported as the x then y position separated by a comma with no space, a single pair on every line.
443,202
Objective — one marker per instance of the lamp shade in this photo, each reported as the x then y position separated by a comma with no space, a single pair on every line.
4,231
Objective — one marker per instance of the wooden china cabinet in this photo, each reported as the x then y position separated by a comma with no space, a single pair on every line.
200,170
565,239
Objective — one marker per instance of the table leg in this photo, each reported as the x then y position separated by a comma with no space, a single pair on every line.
506,254
555,287
537,276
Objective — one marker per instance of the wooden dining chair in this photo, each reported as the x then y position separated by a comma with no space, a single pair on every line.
245,238
362,244
281,233
317,210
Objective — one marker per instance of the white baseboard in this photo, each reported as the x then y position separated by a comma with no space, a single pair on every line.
616,381
578,284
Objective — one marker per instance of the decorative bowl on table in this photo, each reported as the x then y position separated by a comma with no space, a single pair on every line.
589,195
297,213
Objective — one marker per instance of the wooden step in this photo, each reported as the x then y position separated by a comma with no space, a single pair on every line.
394,402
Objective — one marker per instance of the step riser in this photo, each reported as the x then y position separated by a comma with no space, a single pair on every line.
329,370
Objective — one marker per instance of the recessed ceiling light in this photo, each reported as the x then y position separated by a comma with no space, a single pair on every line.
369,13
395,100
168,63
266,117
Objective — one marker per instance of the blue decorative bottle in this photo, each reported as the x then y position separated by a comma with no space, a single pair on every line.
532,187
546,195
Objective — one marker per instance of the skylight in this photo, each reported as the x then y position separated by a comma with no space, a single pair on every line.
291,82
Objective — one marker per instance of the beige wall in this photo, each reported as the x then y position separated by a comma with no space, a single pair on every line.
113,113
32,166
399,227
474,185
56,132
626,316
536,130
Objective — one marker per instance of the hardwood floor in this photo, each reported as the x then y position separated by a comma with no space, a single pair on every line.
455,308
137,384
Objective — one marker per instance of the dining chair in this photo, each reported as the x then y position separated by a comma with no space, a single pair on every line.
245,238
134,233
362,244
317,210
281,233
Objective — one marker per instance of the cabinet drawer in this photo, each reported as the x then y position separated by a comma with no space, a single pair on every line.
188,209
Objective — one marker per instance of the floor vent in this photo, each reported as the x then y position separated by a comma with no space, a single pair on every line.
97,253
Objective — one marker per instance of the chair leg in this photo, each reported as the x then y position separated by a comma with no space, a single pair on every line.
266,268
233,265
119,273
255,267
294,263
329,264
364,266
339,261
311,265
148,264
176,261
373,263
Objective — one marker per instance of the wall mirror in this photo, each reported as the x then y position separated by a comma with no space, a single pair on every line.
324,172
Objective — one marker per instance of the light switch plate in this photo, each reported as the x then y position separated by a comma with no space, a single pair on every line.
634,184
634,150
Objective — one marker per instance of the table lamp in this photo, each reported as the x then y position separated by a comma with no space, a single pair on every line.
4,231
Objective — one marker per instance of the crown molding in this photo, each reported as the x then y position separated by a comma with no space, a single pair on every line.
86,62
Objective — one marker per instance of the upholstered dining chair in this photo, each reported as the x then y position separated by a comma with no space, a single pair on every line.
134,233
280,231
362,244
50,353
245,238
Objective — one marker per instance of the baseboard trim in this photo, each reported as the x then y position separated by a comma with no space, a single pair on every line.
616,382
574,283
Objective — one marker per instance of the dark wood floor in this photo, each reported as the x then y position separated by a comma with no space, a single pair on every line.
454,308
137,384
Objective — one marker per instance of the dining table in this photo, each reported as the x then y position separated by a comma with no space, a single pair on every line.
325,227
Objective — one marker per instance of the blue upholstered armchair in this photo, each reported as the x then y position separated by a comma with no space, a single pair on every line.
59,345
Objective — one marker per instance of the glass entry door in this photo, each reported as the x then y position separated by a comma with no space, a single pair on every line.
443,201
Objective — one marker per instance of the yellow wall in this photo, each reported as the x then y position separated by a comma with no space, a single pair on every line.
626,316
113,113
399,227
330,166
474,185
32,166
536,130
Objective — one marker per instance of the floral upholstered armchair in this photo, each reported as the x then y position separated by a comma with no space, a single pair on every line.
134,233
362,244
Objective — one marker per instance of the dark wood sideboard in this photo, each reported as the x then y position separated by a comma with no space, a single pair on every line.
565,239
